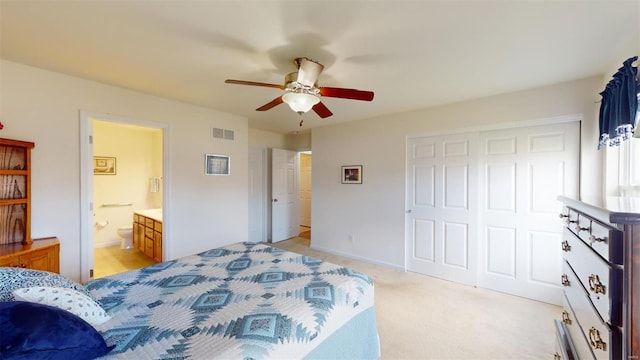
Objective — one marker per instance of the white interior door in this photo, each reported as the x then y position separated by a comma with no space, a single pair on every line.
522,172
441,206
284,193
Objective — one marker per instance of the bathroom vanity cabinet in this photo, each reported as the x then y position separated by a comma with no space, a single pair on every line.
147,235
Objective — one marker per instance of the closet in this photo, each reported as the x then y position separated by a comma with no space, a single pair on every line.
482,209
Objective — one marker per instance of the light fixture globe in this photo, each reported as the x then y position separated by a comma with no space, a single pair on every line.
300,102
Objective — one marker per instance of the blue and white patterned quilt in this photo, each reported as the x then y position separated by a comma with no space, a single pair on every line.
242,301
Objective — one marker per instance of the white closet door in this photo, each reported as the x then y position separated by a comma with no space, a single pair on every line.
522,172
441,206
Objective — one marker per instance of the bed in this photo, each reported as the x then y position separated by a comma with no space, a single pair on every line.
241,301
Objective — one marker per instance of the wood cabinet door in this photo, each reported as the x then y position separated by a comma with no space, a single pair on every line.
157,246
9,261
140,233
45,259
37,260
148,246
136,235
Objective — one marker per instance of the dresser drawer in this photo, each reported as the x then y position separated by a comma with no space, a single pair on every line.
603,341
607,242
581,347
581,227
601,281
565,350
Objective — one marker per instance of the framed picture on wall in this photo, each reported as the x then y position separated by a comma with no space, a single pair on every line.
103,165
216,164
352,174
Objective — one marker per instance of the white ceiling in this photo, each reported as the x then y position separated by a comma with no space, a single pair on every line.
412,54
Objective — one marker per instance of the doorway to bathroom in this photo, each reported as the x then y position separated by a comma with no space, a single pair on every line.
123,175
304,191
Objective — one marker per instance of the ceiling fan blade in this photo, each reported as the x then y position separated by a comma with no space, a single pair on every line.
275,102
308,71
346,93
322,110
253,83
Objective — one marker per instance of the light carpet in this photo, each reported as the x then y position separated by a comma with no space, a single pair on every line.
421,317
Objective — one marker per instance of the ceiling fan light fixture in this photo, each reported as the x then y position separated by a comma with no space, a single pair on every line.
299,101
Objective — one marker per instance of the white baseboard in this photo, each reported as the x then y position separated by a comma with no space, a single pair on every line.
359,258
106,244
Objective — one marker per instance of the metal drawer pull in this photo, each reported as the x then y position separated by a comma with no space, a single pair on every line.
562,216
565,246
565,317
595,285
595,340
594,238
565,280
580,228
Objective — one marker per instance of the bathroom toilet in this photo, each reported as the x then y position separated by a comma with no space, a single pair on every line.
125,235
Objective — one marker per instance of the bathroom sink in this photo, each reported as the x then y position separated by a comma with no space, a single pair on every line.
155,214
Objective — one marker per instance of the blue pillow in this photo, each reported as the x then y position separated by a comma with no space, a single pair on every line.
35,331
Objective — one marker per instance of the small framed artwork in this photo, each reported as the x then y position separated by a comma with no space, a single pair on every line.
352,174
104,165
216,164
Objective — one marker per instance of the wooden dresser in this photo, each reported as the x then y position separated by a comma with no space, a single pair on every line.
41,254
601,278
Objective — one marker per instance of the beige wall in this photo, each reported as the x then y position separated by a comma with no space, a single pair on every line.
374,211
267,139
43,106
270,140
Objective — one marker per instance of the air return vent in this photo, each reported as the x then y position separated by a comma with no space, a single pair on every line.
218,133
228,134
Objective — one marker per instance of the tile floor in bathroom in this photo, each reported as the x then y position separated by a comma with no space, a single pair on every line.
112,260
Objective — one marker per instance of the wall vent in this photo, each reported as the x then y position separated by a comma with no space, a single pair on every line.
228,134
218,133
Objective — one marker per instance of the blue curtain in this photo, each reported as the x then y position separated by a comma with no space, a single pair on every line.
619,108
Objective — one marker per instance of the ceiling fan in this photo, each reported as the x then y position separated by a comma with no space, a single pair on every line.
302,92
